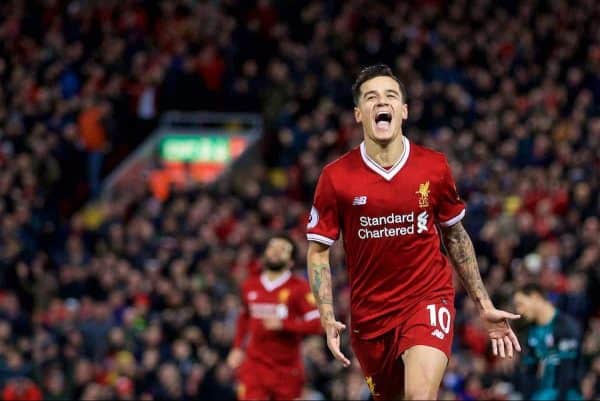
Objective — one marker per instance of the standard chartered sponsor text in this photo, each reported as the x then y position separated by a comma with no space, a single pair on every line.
371,226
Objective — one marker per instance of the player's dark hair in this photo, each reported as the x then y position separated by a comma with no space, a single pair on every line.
290,240
372,71
532,288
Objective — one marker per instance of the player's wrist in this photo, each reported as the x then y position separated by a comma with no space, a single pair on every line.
484,305
328,322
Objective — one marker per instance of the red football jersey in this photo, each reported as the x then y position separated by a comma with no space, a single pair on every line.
288,298
387,218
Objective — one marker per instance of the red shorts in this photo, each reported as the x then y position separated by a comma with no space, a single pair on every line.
260,382
430,323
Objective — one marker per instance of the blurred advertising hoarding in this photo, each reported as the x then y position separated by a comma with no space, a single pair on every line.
187,149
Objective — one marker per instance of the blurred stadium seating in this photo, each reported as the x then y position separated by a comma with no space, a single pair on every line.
136,296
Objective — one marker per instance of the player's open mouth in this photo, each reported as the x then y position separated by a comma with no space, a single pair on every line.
383,120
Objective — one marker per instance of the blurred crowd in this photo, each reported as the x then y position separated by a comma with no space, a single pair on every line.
137,298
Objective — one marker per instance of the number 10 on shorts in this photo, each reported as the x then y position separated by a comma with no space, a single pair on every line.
441,315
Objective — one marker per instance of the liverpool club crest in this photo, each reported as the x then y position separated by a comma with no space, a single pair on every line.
423,194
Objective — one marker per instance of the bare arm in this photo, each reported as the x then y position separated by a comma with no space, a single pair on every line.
462,254
319,275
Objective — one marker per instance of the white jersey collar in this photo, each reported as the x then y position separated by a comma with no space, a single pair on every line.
278,282
386,174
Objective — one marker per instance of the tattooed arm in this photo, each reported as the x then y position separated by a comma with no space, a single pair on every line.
319,275
462,255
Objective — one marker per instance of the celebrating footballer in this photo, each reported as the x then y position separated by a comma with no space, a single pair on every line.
392,200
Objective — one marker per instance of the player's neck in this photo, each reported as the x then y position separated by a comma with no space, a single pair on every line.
388,154
546,315
274,275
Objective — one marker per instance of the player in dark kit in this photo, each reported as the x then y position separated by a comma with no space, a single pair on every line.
550,359
278,311
386,197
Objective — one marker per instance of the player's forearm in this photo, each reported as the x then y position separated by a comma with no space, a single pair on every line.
319,275
462,254
241,330
320,284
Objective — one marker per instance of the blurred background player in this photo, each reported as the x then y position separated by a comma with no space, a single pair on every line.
387,197
550,362
278,311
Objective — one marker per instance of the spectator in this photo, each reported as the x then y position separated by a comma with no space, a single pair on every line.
94,137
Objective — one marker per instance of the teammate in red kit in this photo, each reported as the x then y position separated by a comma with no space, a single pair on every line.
278,311
391,199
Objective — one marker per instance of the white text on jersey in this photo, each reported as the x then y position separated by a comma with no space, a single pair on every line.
268,310
407,222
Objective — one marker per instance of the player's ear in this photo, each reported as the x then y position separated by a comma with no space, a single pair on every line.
357,115
404,111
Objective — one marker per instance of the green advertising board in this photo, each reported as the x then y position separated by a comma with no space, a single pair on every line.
197,148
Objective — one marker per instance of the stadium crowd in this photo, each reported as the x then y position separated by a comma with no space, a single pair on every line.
139,298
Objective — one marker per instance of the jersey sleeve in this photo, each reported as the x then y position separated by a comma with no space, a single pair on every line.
449,208
323,223
241,328
307,305
568,349
526,374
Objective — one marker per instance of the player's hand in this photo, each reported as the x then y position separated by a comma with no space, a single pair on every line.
273,323
235,358
503,338
333,331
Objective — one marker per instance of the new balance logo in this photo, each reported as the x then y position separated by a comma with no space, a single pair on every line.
359,201
437,333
